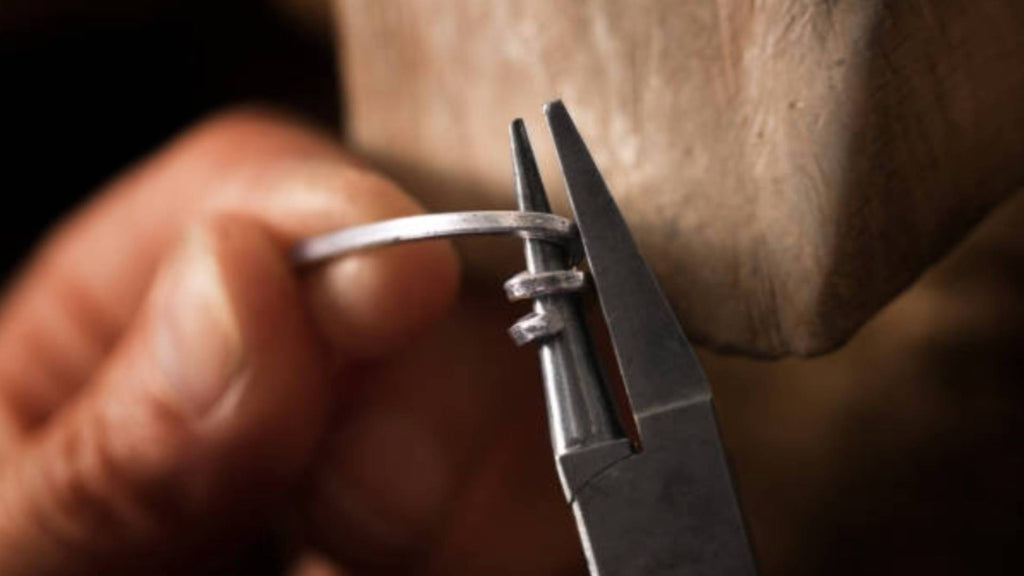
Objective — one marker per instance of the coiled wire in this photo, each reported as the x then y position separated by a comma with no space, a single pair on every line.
523,286
532,285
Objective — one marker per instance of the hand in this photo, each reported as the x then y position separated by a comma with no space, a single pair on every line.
169,384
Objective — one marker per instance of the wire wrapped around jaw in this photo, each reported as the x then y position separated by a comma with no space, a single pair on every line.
530,285
523,286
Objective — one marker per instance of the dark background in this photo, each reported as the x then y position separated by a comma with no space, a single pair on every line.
87,88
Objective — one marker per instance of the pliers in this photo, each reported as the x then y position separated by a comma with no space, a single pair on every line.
659,503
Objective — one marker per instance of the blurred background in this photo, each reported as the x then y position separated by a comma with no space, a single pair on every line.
900,453
89,87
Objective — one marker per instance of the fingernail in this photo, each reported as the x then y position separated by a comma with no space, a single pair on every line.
197,339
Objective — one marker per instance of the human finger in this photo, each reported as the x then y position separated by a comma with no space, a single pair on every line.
82,289
193,429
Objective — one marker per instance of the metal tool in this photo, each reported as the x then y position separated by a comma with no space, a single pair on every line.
663,504
666,504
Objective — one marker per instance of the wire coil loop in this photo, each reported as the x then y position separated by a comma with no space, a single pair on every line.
522,286
543,324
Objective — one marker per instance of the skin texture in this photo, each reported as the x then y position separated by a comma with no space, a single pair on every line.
159,404
788,166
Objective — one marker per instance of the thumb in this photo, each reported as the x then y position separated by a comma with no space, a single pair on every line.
199,421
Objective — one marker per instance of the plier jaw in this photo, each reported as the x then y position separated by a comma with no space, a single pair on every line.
664,504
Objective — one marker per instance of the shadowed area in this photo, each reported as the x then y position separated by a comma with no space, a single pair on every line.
899,453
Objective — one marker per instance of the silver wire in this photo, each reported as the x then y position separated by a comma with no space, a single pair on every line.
537,225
